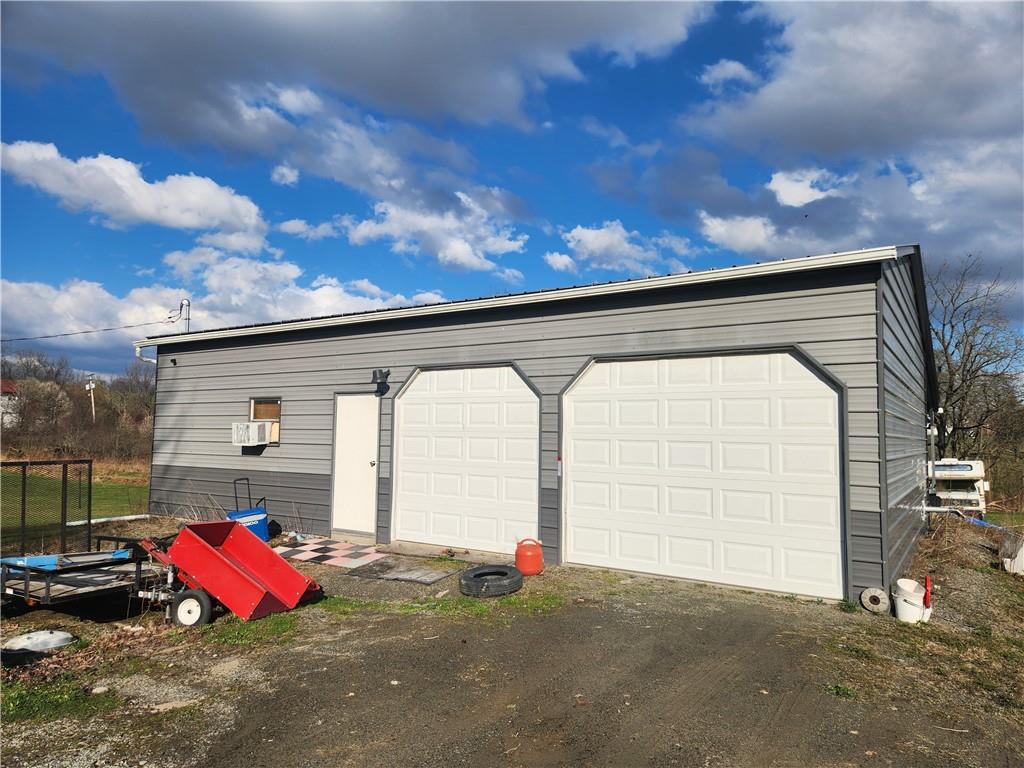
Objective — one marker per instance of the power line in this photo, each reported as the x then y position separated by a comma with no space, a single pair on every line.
173,318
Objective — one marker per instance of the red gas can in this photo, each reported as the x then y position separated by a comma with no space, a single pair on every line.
529,557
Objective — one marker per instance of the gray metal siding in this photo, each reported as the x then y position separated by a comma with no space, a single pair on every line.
903,366
830,314
298,501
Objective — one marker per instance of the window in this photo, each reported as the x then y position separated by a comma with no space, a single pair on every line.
267,409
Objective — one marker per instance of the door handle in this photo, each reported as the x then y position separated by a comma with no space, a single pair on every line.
373,463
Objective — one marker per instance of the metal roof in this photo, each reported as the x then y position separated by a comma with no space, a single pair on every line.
549,295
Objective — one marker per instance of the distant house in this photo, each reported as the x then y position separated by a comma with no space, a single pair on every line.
8,392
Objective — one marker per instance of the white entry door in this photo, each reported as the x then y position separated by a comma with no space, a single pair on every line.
466,459
722,469
356,440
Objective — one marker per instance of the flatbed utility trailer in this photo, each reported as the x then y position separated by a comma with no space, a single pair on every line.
53,579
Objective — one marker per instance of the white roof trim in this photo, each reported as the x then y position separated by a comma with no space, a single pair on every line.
764,269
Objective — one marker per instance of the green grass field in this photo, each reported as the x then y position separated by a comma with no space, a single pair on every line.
1006,519
43,501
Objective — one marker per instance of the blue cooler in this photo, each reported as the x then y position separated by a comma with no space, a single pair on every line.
255,519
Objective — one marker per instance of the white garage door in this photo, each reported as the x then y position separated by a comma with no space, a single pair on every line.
723,469
466,459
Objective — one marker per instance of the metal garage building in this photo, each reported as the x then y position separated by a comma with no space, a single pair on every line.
761,425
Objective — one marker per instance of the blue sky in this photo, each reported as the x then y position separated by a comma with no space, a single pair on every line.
279,161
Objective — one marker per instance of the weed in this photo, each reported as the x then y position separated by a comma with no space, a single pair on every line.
983,631
840,691
233,631
64,697
532,602
857,651
445,559
849,606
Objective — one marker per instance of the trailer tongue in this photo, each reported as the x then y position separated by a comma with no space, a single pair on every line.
224,561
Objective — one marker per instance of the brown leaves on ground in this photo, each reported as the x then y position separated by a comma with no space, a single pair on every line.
109,649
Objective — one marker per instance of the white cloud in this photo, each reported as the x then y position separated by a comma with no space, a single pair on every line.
560,262
225,290
299,101
362,285
241,242
284,175
611,246
716,76
465,237
759,236
303,229
510,275
847,83
428,297
185,264
745,234
802,186
114,189
680,246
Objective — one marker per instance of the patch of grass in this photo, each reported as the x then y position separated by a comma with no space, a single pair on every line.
64,697
532,602
848,606
231,630
857,651
446,606
445,559
454,607
983,631
113,498
840,691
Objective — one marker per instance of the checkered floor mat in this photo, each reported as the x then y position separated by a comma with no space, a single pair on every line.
331,552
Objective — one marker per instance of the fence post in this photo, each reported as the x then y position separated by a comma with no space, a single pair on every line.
24,503
63,507
88,511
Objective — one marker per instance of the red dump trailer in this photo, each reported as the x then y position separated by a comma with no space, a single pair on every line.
223,561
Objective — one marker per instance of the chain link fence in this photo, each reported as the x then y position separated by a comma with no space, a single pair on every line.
45,507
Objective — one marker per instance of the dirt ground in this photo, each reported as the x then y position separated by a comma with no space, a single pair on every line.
583,667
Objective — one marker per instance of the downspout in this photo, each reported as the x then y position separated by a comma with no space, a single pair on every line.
140,356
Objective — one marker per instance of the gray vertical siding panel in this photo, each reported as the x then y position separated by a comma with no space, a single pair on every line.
830,314
904,371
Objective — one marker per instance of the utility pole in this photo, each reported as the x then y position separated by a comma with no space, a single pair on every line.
92,397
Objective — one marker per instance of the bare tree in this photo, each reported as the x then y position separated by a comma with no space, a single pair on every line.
978,352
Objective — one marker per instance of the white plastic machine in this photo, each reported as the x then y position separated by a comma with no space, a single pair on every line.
960,484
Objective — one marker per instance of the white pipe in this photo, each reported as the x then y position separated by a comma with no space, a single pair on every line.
98,520
138,354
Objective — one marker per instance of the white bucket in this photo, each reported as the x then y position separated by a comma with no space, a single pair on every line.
910,613
909,590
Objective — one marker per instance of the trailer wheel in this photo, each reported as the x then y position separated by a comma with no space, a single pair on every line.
191,608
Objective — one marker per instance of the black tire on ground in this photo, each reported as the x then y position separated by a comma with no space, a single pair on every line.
191,608
490,581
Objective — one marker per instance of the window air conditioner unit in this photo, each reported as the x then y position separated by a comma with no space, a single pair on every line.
248,433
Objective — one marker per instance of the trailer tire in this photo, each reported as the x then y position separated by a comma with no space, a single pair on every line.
490,581
191,608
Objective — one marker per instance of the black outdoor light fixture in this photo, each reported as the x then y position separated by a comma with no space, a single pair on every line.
380,378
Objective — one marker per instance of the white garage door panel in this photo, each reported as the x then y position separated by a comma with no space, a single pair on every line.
466,459
723,469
